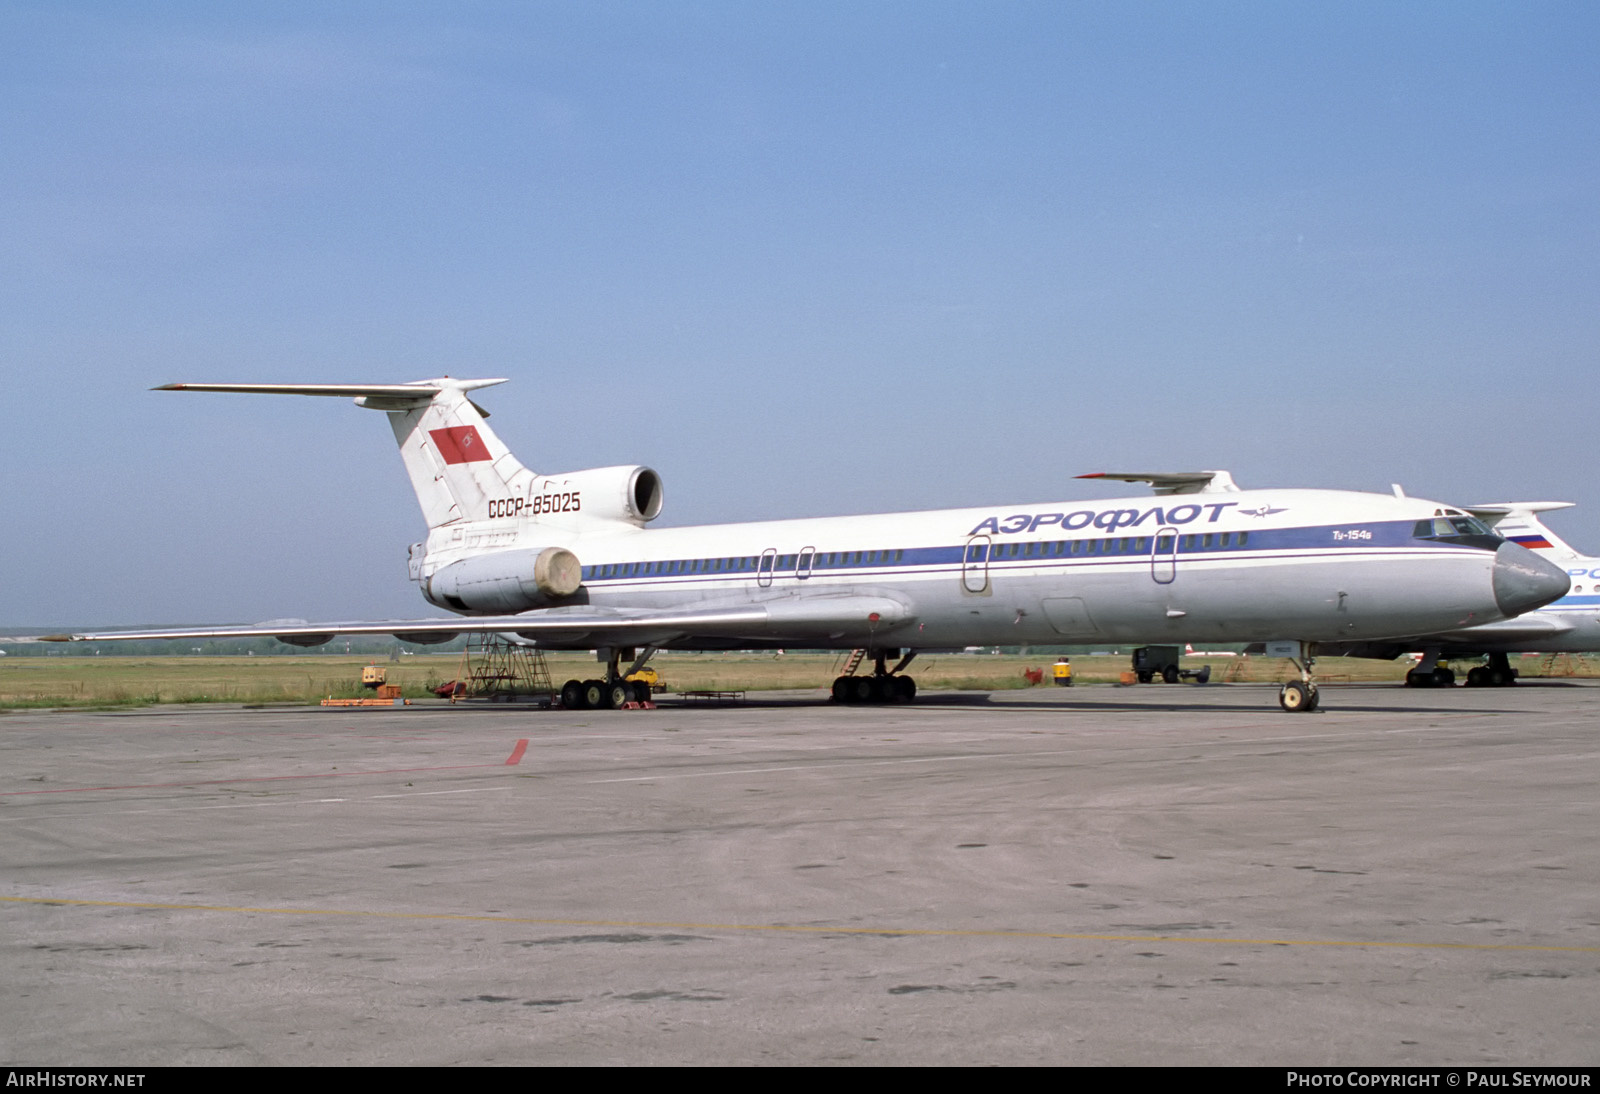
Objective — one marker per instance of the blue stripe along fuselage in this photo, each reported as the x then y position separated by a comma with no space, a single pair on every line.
1252,543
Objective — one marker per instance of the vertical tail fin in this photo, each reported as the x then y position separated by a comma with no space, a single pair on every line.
455,461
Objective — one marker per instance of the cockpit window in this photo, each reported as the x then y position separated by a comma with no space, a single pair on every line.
1462,530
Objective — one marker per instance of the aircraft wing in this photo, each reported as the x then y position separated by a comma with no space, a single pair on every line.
789,619
1523,628
1174,482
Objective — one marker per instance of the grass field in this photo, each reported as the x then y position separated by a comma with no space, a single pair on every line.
133,681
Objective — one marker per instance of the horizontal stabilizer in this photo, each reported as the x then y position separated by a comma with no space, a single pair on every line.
422,389
1492,512
457,466
1174,482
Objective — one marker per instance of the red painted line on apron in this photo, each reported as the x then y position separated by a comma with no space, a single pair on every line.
516,753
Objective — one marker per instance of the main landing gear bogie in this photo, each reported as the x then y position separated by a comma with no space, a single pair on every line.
1487,676
615,691
888,688
884,685
1496,672
603,695
1438,677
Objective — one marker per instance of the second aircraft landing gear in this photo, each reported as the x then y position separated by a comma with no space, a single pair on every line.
1430,672
883,686
1498,673
1440,676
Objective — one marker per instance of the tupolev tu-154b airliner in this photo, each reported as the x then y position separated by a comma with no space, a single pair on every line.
569,561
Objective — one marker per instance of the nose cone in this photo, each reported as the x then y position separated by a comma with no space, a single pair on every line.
1523,581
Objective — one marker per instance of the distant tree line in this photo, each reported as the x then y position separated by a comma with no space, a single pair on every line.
381,646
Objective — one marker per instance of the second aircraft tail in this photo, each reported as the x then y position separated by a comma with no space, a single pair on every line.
1519,522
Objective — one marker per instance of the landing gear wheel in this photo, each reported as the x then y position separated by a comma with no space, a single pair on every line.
572,695
861,689
841,689
1475,677
1297,697
1170,674
641,691
905,689
1416,679
1443,677
615,695
594,695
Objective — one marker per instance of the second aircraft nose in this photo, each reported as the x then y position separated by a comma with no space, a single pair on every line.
1523,581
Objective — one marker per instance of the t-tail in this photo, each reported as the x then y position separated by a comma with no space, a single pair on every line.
461,471
1518,521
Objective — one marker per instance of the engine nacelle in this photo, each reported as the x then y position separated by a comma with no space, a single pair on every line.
629,494
506,582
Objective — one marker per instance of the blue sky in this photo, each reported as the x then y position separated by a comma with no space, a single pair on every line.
801,259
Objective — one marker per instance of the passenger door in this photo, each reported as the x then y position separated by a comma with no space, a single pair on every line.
1164,556
975,565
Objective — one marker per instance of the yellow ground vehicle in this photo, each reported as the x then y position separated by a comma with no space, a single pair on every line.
647,676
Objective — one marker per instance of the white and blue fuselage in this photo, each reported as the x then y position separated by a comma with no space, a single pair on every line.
1315,565
570,562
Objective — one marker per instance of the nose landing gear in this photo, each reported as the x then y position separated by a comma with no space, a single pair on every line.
1298,697
1301,696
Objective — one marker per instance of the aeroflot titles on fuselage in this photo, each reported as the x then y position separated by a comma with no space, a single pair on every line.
1108,519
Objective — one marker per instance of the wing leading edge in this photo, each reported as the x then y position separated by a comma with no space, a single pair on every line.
796,618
